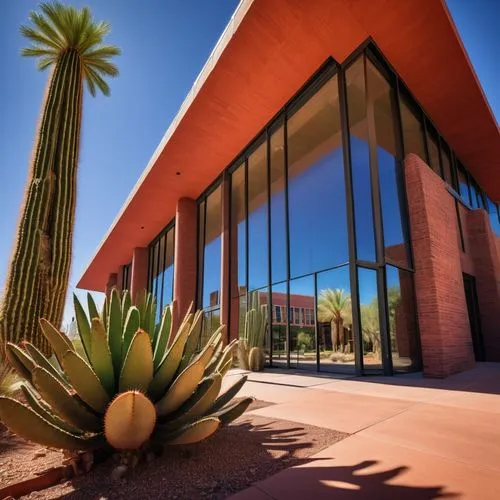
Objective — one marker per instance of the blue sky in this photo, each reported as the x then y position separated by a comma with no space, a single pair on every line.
165,44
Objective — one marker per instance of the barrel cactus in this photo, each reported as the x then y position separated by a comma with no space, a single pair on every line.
251,345
136,383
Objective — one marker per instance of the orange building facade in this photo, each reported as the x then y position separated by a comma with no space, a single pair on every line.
336,161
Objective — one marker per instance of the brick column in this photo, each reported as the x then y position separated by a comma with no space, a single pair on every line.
483,249
185,255
111,283
442,309
139,272
225,296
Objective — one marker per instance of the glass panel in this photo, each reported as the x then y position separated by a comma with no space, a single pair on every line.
369,318
334,312
445,157
360,161
259,299
212,253
474,191
238,236
493,212
463,185
391,197
211,321
302,336
168,273
433,147
161,265
154,270
413,131
402,319
316,192
278,209
257,218
278,326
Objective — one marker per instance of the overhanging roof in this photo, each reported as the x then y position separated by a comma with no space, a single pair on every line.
268,50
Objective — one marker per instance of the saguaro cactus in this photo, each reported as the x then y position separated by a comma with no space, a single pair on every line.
69,41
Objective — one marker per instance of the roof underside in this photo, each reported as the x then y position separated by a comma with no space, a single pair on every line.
271,47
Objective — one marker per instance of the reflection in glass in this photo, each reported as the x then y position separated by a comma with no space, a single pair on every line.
278,208
388,168
302,332
334,313
445,157
279,305
360,161
238,311
433,147
211,321
238,230
369,318
168,273
413,131
257,218
402,319
212,250
318,231
494,220
463,185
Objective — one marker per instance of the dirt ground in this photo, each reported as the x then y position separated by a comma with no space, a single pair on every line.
247,451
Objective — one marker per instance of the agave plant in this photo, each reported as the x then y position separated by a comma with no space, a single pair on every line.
137,382
251,345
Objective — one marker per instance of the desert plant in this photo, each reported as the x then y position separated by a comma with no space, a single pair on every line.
251,345
70,42
135,384
304,341
334,306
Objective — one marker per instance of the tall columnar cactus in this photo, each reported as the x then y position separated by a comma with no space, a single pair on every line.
251,345
137,382
70,42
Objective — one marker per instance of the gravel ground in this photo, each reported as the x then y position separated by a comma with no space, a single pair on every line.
249,450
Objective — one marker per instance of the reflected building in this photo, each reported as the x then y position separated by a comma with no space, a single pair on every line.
339,177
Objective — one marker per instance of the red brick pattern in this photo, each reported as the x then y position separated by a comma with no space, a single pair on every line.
442,311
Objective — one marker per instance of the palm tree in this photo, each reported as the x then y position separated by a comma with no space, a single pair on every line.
69,42
334,306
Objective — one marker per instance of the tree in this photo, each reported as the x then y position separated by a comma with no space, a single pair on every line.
69,42
334,306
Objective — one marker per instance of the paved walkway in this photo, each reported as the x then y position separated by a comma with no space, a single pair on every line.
411,438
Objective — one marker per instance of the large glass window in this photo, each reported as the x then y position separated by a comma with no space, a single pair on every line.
210,245
494,219
447,169
278,207
413,131
161,269
238,232
360,161
316,190
126,277
390,178
433,147
257,219
279,344
463,184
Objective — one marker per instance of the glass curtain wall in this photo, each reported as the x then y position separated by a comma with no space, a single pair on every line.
209,259
161,268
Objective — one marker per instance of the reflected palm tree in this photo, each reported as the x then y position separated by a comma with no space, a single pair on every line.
334,306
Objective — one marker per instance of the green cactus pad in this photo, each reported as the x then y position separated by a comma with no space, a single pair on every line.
39,359
64,404
115,330
188,434
182,388
100,357
82,324
20,361
232,411
137,371
132,324
27,424
163,334
85,381
228,394
57,340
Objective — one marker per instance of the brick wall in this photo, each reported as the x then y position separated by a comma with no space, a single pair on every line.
442,311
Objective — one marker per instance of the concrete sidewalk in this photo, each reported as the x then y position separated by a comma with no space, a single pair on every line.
411,438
